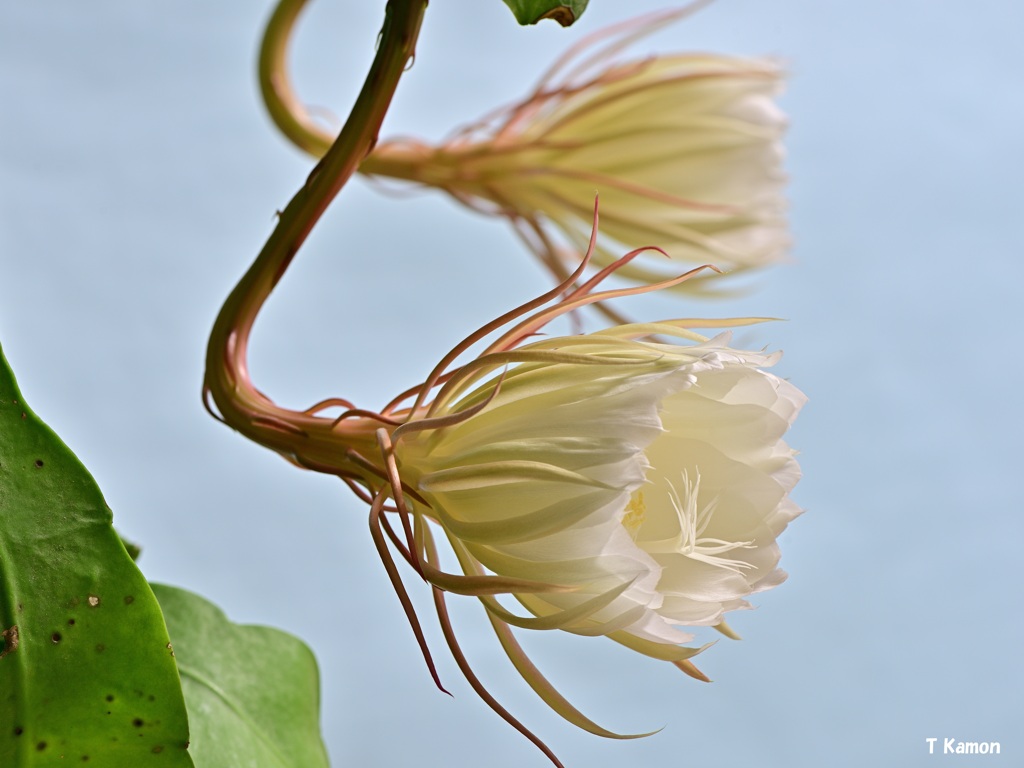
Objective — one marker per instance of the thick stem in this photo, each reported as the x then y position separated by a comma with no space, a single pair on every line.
308,438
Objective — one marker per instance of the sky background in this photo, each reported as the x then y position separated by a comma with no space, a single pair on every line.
139,177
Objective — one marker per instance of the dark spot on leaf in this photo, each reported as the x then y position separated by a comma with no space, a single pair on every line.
24,415
41,746
110,697
100,647
151,697
39,462
71,622
128,599
157,749
55,637
18,731
85,758
137,722
10,640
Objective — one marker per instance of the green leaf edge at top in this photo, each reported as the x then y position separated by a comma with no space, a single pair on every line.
565,12
257,688
87,674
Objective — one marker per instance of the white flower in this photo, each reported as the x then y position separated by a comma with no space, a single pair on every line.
629,483
650,478
684,151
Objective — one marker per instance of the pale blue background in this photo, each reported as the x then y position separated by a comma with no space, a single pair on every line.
140,177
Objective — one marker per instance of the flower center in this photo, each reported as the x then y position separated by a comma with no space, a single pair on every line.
635,511
693,521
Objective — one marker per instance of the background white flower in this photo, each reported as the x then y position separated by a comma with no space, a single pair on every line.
684,150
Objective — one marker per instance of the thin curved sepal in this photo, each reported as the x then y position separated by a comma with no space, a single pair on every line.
470,586
376,532
679,328
689,668
506,318
526,668
477,586
444,620
530,326
564,620
594,629
661,651
466,375
545,690
726,630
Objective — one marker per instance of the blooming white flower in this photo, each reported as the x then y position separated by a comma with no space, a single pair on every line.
629,483
651,478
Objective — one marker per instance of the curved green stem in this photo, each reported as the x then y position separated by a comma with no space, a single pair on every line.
286,110
306,437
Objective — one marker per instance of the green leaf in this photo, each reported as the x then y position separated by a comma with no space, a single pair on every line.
565,12
253,693
86,668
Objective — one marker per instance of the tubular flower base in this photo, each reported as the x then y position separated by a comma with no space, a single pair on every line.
608,483
684,151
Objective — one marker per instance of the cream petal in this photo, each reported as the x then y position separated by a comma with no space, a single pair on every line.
657,481
685,577
772,579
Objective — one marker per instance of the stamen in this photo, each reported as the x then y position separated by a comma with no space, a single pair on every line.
690,540
635,513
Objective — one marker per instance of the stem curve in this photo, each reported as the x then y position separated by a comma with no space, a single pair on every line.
241,405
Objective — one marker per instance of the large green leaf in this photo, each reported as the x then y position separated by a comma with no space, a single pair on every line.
86,668
565,12
253,693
